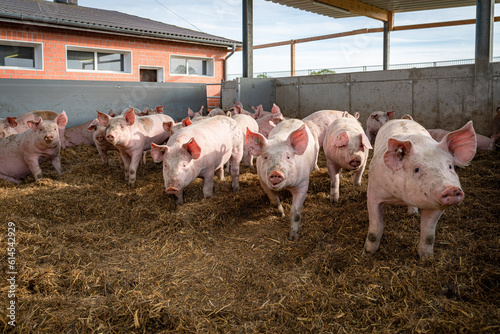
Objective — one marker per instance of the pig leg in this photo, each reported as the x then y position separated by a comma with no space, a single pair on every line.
104,155
273,198
235,169
299,196
334,172
357,175
376,225
220,173
428,222
412,210
34,167
126,163
56,162
8,178
208,183
135,159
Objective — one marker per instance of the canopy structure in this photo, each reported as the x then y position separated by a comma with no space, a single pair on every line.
382,10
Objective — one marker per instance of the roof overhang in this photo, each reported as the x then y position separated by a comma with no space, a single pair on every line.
381,10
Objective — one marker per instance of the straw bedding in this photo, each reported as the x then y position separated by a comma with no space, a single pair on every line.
96,256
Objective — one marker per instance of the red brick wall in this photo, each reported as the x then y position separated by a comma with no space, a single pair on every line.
145,52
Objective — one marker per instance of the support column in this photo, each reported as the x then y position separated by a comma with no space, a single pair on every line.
483,111
248,38
388,26
292,58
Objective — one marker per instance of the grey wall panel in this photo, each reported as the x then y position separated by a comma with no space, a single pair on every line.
81,99
330,96
253,92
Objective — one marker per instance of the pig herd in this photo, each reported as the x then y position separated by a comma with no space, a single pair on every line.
410,166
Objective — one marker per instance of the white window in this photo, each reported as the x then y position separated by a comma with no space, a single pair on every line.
191,66
83,59
22,55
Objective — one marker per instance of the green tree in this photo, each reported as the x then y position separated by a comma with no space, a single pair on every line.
321,72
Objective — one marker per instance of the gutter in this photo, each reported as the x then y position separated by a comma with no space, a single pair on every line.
225,61
57,23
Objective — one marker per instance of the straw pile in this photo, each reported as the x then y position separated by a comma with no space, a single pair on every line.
95,256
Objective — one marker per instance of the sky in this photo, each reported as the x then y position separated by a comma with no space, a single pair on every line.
275,23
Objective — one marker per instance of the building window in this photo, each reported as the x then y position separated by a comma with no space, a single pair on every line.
192,66
98,60
20,55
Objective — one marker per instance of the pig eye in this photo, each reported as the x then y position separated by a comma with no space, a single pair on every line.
450,166
416,170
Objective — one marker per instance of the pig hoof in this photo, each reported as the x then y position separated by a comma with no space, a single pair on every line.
294,235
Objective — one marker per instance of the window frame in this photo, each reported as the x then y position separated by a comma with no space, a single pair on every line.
160,71
210,66
37,54
127,59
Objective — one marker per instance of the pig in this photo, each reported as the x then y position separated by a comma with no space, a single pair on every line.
496,130
22,120
173,127
246,122
7,127
375,122
216,111
268,122
259,111
410,168
285,161
198,150
238,109
193,114
483,143
132,136
21,154
346,146
148,111
98,132
78,135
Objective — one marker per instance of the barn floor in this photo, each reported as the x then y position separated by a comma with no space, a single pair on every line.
95,256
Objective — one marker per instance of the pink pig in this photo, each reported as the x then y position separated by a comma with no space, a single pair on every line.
98,132
78,135
284,161
194,115
375,122
197,151
148,111
410,168
268,122
346,146
246,122
259,112
21,154
132,136
7,126
483,143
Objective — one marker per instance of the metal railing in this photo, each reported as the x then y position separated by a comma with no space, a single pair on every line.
281,74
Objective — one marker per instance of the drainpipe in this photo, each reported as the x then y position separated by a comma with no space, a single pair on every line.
225,62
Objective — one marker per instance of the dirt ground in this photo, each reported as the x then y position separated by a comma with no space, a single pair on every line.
95,256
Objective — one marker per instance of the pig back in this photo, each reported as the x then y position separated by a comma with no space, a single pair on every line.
400,129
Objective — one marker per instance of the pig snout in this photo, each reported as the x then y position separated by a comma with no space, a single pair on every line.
172,190
275,178
451,196
49,138
110,138
100,138
355,163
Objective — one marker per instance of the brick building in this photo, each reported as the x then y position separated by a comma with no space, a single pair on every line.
61,40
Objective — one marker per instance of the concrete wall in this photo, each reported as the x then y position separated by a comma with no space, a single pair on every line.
81,99
437,97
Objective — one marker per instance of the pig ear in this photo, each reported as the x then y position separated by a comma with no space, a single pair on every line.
93,125
461,144
190,112
298,139
396,152
144,112
342,139
275,110
167,126
356,115
34,123
12,121
374,116
272,124
407,116
159,109
365,141
187,121
228,113
193,148
237,109
61,120
103,118
111,113
129,116
200,112
255,142
390,114
158,151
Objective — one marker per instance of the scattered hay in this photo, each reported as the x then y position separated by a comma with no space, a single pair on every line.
94,255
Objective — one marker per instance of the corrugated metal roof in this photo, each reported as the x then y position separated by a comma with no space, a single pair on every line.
386,5
102,20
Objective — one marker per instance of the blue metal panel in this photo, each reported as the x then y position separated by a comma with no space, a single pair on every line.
81,99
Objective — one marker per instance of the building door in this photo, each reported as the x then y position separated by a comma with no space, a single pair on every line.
149,75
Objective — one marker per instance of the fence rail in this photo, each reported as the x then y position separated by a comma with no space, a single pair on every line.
281,74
